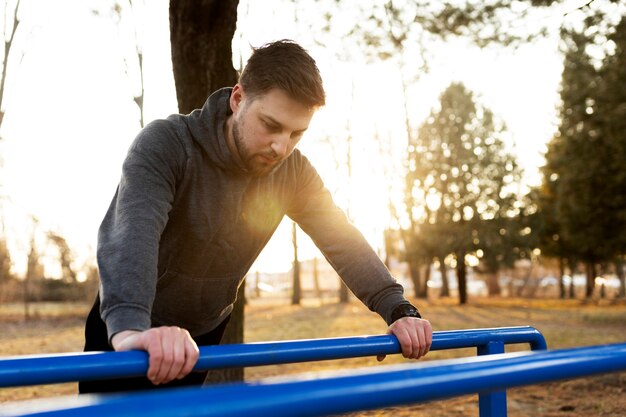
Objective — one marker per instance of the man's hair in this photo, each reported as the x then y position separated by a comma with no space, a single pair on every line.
287,66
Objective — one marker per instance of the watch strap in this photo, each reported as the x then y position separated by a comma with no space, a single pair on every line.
405,310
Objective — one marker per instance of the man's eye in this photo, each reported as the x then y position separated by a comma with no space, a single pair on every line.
269,126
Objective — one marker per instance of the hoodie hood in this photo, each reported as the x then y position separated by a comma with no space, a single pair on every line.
206,126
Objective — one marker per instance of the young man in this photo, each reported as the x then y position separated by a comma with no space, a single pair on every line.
200,196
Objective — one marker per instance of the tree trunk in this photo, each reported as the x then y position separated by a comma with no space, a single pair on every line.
316,280
619,270
461,274
8,43
591,279
33,271
201,34
26,299
445,288
344,294
257,282
493,286
387,235
561,277
416,278
426,279
572,271
296,294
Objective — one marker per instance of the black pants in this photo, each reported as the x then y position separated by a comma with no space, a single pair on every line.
96,339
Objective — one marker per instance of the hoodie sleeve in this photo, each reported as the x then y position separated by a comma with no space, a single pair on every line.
128,238
342,244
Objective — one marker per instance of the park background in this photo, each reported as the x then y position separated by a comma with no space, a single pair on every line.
478,142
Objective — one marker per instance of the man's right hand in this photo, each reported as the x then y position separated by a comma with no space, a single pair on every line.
172,351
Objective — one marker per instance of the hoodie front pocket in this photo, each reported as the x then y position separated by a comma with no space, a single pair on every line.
187,301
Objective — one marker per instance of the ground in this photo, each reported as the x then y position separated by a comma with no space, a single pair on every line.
58,328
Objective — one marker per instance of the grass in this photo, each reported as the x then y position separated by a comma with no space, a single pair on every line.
564,323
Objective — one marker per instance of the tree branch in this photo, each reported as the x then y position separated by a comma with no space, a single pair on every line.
5,62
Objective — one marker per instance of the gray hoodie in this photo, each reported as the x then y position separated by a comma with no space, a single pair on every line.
186,223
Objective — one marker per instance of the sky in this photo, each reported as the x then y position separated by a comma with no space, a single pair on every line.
70,116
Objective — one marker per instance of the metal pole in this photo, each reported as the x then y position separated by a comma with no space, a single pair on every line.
49,369
492,404
361,390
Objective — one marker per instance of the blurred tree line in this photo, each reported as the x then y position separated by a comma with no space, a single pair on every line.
463,198
581,217
461,193
34,284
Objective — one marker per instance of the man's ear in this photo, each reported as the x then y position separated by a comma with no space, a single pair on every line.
236,98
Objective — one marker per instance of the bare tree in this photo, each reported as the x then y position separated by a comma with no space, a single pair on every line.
133,13
296,294
34,268
5,260
201,35
65,256
9,36
126,15
619,270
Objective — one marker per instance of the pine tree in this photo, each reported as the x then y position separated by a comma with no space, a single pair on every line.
461,178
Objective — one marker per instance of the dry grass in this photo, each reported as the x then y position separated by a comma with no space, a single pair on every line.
56,328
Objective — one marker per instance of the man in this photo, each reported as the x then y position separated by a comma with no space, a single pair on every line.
199,197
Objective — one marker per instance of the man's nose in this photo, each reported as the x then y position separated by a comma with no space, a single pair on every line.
280,145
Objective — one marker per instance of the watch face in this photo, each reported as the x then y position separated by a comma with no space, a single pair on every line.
405,310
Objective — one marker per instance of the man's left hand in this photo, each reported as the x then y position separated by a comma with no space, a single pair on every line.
415,336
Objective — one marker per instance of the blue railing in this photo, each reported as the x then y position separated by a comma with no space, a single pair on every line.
360,390
46,369
83,366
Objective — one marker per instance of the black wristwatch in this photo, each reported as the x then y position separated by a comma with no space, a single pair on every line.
404,310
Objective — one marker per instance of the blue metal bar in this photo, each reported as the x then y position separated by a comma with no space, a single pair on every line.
360,390
492,404
49,369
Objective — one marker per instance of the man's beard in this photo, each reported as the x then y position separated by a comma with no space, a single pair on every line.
250,161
